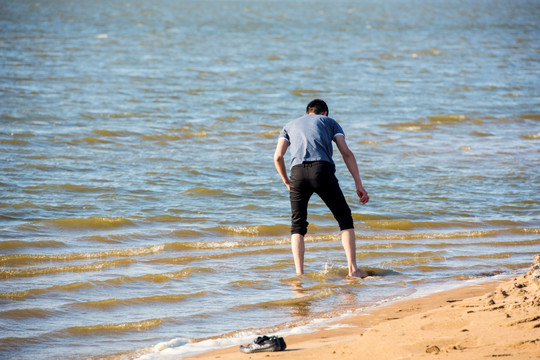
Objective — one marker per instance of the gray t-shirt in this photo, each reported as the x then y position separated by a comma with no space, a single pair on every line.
310,138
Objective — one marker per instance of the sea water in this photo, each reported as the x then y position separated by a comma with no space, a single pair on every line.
141,214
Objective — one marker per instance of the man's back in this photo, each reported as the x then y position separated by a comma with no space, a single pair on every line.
310,138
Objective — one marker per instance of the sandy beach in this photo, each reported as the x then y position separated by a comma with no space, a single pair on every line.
499,319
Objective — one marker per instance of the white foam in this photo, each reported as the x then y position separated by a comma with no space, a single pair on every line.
180,347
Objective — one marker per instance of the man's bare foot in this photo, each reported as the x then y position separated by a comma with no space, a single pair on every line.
358,274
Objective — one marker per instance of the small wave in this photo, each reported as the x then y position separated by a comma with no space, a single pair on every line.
228,119
111,133
21,295
121,115
76,188
173,137
109,303
390,224
18,343
160,277
106,239
90,140
23,135
201,191
97,266
186,233
304,92
243,284
24,259
480,134
16,142
329,271
161,137
201,245
433,268
95,222
447,118
254,230
412,261
369,142
22,314
8,344
396,254
119,238
426,124
535,136
503,255
465,277
512,243
113,328
23,244
450,235
535,117
77,286
270,134
385,224
371,271
428,52
163,218
364,217
187,259
400,224
294,302
272,267
180,348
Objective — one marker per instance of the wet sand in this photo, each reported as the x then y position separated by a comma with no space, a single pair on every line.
499,319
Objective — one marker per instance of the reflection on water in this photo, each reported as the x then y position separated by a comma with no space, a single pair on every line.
139,201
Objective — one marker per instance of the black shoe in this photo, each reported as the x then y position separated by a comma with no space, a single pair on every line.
281,343
264,343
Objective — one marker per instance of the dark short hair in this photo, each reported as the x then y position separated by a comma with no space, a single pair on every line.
317,106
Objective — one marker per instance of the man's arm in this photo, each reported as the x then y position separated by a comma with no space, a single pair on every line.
350,161
279,161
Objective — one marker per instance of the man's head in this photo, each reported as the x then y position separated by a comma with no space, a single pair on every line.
317,107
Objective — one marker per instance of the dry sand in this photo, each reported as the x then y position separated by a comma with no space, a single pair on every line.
492,320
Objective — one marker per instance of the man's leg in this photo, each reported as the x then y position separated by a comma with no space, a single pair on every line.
349,244
333,197
299,195
297,246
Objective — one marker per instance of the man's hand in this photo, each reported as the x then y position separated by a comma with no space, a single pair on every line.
350,161
362,194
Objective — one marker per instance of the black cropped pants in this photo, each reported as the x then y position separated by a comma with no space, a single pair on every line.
316,177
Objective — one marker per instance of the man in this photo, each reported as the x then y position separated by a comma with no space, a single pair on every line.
313,171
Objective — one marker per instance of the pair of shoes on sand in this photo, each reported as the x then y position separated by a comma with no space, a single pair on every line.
264,343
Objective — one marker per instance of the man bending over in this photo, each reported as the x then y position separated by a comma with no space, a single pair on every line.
313,171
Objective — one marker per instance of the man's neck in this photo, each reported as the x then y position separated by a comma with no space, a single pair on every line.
323,114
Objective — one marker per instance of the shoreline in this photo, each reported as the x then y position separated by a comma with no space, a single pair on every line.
499,318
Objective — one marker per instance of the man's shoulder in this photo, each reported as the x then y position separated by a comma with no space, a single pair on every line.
309,120
329,122
296,122
328,119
